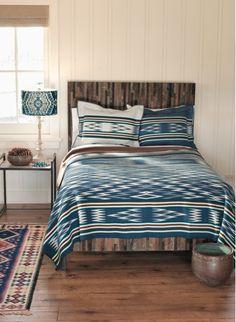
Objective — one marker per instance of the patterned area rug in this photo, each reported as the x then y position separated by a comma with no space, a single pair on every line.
20,258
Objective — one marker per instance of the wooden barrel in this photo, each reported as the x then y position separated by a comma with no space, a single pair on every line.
212,263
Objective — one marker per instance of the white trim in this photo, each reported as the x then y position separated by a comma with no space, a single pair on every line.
16,127
29,142
20,129
27,132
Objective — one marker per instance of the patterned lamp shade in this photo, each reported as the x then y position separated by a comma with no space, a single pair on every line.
39,103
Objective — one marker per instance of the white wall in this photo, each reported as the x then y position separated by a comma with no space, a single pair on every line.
149,40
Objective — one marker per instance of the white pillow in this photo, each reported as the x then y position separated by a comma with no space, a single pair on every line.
99,125
75,126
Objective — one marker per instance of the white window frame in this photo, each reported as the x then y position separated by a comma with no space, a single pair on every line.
14,127
12,134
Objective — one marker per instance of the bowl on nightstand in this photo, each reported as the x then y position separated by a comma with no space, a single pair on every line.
19,160
20,156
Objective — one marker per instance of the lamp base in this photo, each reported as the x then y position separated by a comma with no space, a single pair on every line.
38,157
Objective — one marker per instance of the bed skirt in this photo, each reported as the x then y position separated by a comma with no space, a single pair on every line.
138,244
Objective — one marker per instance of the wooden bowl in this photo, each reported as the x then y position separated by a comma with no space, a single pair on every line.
212,263
20,160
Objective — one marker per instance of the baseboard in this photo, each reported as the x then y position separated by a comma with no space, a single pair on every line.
28,206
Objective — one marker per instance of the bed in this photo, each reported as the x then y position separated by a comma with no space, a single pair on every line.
157,194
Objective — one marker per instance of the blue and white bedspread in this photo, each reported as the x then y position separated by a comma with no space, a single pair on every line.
126,192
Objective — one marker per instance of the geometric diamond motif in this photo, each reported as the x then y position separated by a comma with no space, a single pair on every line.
92,126
132,214
173,127
4,245
3,260
163,215
153,128
4,233
120,128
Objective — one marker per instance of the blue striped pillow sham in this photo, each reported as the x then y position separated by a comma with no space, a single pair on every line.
170,126
99,125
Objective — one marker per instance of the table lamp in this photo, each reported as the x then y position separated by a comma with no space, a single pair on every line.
39,103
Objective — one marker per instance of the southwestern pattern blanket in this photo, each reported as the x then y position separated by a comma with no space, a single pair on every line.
128,192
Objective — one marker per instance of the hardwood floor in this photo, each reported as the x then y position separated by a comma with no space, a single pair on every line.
142,287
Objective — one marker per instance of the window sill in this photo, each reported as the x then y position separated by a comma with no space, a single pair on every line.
10,141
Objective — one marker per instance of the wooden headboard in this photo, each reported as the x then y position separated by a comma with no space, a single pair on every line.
118,94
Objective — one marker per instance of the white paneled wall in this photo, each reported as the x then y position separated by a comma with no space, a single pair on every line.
159,40
21,187
151,40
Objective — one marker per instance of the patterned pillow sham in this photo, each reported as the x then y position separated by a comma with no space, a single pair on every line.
99,125
170,126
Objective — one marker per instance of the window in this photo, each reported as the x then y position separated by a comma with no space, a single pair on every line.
21,67
24,50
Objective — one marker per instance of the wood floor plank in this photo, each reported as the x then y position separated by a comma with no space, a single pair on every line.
121,287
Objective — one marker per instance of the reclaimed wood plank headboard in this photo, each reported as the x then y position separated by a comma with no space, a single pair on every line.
118,94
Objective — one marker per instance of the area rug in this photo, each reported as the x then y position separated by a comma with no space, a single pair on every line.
20,258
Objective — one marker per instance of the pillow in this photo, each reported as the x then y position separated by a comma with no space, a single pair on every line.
99,125
170,126
75,127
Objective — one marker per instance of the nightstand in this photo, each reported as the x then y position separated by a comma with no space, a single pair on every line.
6,166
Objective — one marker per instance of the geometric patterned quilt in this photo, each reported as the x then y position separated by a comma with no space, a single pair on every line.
138,192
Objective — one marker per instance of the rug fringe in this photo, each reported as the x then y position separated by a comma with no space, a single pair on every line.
24,312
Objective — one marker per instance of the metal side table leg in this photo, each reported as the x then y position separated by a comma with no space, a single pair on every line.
4,193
